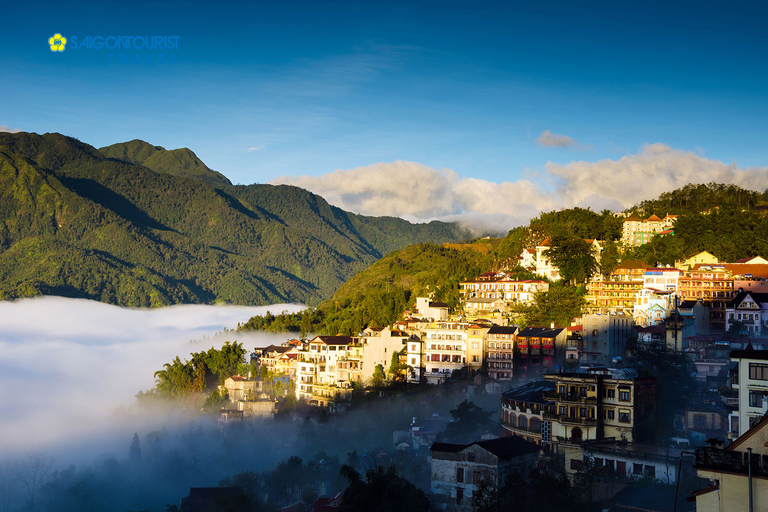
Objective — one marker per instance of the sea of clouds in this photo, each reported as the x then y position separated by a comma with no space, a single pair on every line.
70,368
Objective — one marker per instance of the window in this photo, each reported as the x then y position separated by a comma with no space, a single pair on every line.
624,395
637,469
459,495
624,416
758,371
610,393
471,457
755,398
610,414
650,471
460,475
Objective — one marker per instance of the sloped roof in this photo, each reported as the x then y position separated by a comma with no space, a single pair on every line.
539,332
498,329
632,218
334,340
653,218
502,447
760,298
533,392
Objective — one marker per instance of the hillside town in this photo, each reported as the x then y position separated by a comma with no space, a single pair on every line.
569,397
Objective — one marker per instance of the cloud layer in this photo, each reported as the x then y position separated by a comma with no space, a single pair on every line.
421,193
553,140
66,365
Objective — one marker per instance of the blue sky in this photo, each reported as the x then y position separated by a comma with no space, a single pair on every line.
269,91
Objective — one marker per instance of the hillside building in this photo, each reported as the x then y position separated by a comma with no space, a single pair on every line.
458,469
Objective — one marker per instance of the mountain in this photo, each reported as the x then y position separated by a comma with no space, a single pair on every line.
178,162
80,222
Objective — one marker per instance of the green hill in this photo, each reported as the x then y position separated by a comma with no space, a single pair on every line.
75,222
726,220
178,162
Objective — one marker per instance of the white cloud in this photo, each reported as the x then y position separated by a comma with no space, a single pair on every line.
421,193
553,140
254,148
656,168
66,365
6,129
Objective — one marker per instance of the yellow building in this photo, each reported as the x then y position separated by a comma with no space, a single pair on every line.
728,470
618,292
703,258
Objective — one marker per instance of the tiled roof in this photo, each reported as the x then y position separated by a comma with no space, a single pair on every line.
760,298
539,332
335,340
503,447
533,392
498,329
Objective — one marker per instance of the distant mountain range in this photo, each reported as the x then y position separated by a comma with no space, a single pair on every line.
138,225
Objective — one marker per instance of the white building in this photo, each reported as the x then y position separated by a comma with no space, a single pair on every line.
378,350
652,306
316,369
752,384
445,350
425,308
750,309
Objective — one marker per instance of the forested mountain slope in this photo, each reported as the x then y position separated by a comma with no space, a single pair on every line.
77,223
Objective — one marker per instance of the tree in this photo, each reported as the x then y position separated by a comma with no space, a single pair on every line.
609,258
396,368
469,423
216,400
34,470
382,490
539,492
134,455
574,258
560,304
9,483
378,378
675,377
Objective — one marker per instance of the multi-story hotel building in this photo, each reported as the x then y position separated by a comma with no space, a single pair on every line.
500,351
618,292
713,284
522,412
445,350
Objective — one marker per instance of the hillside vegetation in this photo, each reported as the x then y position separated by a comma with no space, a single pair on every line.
726,220
76,223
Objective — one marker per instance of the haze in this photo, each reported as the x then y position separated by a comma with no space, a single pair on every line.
70,368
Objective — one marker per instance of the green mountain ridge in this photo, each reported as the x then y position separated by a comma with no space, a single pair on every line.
76,222
178,162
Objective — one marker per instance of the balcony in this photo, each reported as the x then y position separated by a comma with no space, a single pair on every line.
575,398
716,459
571,420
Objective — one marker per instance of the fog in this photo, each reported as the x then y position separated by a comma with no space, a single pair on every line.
70,368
